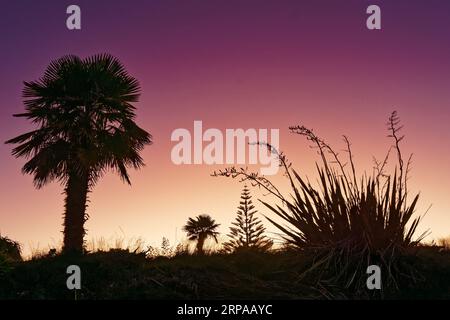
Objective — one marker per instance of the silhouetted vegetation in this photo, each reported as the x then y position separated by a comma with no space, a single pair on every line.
85,117
121,274
166,250
347,222
9,253
332,230
247,232
9,249
200,229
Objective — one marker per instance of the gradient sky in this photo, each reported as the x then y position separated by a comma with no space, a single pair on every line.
233,64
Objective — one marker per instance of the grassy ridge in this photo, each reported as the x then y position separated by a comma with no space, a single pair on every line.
120,274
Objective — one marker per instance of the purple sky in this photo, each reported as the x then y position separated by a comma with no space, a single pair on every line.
250,64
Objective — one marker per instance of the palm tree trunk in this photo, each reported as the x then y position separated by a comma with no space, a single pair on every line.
75,212
200,244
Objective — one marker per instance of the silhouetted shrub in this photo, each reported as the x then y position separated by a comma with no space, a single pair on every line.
9,249
346,222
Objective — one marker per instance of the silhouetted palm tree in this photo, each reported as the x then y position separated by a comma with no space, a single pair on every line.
84,111
200,228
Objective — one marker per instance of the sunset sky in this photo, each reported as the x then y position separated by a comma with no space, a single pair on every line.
233,64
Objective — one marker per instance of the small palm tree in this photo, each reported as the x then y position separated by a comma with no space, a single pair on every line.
85,117
201,228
